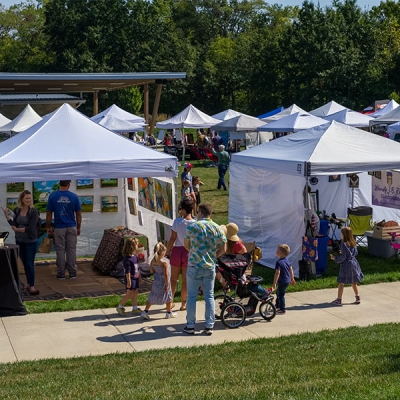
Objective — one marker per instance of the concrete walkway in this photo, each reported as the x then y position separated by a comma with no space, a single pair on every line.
96,332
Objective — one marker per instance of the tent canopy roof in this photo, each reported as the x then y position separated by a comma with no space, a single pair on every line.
389,107
238,124
272,112
4,120
24,120
120,125
389,118
328,149
327,109
349,117
67,145
287,111
227,114
190,117
119,113
293,123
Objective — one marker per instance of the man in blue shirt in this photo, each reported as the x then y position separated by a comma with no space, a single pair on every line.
67,227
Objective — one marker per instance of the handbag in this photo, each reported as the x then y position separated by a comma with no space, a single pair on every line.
310,245
45,245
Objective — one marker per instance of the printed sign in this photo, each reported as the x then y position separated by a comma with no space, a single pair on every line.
386,189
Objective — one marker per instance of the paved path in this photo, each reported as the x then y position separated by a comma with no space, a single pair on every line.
96,332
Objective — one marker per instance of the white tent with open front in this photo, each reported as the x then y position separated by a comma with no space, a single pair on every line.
269,209
118,112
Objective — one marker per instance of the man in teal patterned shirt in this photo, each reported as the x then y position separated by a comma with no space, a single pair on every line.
205,241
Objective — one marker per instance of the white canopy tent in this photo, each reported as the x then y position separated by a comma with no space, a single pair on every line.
25,119
394,128
269,209
388,107
327,109
67,144
390,118
227,114
287,111
118,112
293,123
351,118
4,120
120,125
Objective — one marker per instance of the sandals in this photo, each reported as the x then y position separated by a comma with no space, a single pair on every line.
183,306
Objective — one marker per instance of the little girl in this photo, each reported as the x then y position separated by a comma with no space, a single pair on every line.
132,276
161,290
196,189
350,271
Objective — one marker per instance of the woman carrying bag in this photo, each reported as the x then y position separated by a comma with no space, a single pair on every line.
24,223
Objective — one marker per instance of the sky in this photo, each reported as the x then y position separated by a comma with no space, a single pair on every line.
364,4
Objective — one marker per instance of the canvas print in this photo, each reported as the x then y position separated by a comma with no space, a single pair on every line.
132,206
84,184
334,178
146,193
109,182
17,187
163,232
86,203
41,192
163,191
12,202
109,203
131,184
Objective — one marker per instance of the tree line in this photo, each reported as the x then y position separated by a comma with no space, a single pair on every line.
247,55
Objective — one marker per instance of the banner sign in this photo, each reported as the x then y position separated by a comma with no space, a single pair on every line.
386,189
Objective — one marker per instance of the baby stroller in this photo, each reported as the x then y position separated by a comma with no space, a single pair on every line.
229,307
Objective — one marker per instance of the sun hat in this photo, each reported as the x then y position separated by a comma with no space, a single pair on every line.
188,165
232,230
223,227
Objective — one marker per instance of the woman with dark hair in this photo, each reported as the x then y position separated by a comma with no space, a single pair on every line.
24,223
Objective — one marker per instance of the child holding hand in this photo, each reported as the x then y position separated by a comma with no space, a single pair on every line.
132,276
350,270
283,277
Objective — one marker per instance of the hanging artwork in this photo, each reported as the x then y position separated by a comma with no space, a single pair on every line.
334,178
163,192
146,193
11,202
109,203
15,187
163,232
84,184
86,203
131,184
109,182
41,193
132,206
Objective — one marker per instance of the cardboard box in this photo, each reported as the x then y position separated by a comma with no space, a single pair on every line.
380,247
385,233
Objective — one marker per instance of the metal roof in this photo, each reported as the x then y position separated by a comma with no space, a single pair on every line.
11,82
13,99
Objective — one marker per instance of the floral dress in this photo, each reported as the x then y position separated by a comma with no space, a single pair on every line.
158,295
350,270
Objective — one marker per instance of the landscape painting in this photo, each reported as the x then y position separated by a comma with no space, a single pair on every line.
86,203
84,184
12,202
41,192
132,206
17,187
109,182
146,193
109,203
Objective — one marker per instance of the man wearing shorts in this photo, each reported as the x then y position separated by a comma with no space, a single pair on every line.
176,250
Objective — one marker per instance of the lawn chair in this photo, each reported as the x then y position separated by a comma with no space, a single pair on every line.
395,245
360,221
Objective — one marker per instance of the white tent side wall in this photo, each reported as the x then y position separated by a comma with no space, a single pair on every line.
271,215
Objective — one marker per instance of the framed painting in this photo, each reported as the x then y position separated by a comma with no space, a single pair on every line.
163,193
131,183
378,174
86,203
41,192
132,206
84,184
11,202
109,203
146,193
109,182
15,187
163,232
334,178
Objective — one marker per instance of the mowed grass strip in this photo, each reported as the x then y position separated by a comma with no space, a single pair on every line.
351,363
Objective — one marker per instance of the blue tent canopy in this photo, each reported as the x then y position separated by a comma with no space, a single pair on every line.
273,112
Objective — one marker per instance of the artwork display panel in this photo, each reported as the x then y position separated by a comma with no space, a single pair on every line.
163,232
146,193
41,192
131,184
314,200
109,203
84,184
109,182
15,187
12,202
132,206
163,193
86,203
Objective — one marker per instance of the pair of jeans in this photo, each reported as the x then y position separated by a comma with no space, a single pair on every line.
194,278
65,240
27,252
221,173
280,296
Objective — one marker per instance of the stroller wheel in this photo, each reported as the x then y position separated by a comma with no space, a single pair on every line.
219,301
267,310
233,315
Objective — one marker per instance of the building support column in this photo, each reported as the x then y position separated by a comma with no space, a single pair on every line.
155,108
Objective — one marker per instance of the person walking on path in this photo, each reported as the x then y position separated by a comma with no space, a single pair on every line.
350,270
176,249
223,163
283,277
161,290
205,241
24,224
131,276
67,227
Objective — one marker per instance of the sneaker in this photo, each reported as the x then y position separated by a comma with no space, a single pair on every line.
121,310
72,276
60,277
171,315
337,302
208,331
190,331
358,300
136,311
145,315
280,312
